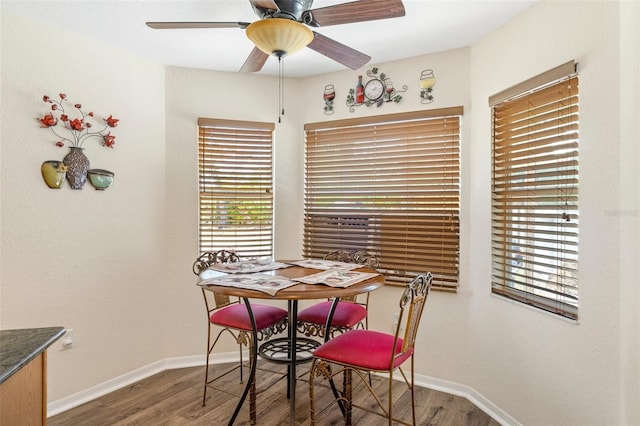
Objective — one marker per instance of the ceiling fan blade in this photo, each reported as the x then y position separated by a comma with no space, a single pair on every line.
264,4
255,61
357,11
188,25
338,52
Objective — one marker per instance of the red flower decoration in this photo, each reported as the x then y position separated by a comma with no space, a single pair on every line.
109,140
48,121
76,124
74,131
112,122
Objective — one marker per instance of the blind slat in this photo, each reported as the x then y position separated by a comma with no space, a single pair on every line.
235,181
390,186
535,180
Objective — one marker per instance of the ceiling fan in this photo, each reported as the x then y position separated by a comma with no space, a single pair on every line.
283,28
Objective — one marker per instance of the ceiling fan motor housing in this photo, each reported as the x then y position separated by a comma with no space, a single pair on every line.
288,9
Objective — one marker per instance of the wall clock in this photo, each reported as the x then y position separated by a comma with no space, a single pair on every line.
374,89
377,91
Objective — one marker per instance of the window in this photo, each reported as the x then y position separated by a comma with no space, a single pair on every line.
535,192
235,181
389,185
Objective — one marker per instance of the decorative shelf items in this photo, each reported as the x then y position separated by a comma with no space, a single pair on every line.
73,131
378,90
427,81
329,95
100,179
78,165
54,172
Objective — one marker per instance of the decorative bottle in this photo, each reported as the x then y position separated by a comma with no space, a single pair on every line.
359,91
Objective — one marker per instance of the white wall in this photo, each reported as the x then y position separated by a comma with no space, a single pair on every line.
96,278
83,259
540,369
629,212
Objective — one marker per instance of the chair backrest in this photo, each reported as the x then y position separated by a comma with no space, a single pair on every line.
204,261
361,257
209,258
412,304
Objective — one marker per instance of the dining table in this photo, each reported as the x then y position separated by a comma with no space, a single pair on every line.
294,345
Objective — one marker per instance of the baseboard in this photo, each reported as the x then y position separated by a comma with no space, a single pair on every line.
470,394
79,398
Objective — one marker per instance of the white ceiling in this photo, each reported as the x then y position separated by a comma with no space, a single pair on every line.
429,26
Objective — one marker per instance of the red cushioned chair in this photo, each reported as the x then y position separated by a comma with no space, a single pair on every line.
350,313
233,318
366,351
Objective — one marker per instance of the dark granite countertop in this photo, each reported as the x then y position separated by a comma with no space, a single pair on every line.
18,347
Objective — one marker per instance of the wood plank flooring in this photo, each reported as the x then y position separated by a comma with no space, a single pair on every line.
174,397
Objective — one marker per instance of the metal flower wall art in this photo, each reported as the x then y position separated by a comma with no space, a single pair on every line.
75,130
72,127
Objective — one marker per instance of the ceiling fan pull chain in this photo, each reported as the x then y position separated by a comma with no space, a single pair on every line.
280,88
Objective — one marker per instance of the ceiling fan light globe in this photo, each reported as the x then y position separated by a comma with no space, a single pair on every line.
279,37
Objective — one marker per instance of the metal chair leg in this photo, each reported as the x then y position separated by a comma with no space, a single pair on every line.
348,396
252,390
312,405
413,396
390,393
206,372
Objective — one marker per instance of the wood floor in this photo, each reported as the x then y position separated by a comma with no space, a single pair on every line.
174,397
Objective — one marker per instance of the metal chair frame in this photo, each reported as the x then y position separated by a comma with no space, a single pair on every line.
360,257
215,301
412,304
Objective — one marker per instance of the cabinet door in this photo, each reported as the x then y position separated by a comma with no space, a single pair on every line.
22,396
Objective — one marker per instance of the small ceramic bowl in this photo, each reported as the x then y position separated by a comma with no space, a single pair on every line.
100,179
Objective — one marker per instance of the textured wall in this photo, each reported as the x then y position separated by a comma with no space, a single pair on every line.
115,265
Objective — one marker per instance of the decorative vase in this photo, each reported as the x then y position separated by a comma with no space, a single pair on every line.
78,164
100,179
54,172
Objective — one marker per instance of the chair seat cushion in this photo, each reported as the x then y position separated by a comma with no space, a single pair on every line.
236,316
366,349
347,314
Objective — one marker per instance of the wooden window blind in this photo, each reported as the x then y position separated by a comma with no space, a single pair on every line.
389,185
235,181
535,197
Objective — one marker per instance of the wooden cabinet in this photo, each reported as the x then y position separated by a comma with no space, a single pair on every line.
23,395
23,375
